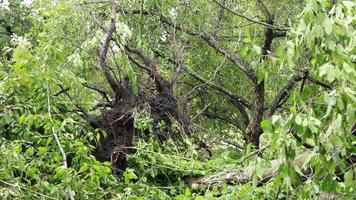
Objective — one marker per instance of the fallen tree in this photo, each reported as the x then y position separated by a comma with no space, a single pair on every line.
118,112
246,175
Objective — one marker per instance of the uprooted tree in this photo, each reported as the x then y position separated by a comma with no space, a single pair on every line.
266,88
251,111
118,121
117,118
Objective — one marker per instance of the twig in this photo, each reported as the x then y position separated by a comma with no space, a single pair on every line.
55,135
200,112
258,151
100,90
222,139
249,19
63,90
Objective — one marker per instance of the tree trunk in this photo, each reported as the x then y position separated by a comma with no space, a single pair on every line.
254,130
234,177
243,176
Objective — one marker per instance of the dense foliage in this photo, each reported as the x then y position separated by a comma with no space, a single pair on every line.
184,99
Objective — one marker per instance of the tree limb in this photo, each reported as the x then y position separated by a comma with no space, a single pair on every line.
283,93
239,102
214,44
265,10
317,82
224,119
221,89
103,55
249,19
99,90
246,175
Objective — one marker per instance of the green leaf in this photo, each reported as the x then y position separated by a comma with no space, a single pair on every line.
349,177
22,118
328,25
298,120
328,70
318,31
42,150
83,168
129,175
329,185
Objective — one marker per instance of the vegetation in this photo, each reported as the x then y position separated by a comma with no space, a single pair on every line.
185,99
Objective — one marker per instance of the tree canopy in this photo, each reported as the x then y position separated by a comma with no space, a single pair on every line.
180,99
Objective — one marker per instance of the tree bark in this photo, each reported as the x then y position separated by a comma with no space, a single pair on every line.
254,130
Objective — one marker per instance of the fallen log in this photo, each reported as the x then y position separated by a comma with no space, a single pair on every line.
233,177
246,175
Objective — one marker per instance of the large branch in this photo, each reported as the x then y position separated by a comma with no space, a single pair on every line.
318,82
285,91
103,57
225,119
269,35
214,44
253,129
265,10
249,19
150,66
99,90
239,102
245,175
221,89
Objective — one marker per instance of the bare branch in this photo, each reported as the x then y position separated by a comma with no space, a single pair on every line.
99,90
150,66
211,133
103,55
239,102
283,93
63,90
249,19
317,82
269,34
214,44
146,60
265,10
277,34
102,105
138,63
221,89
225,119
